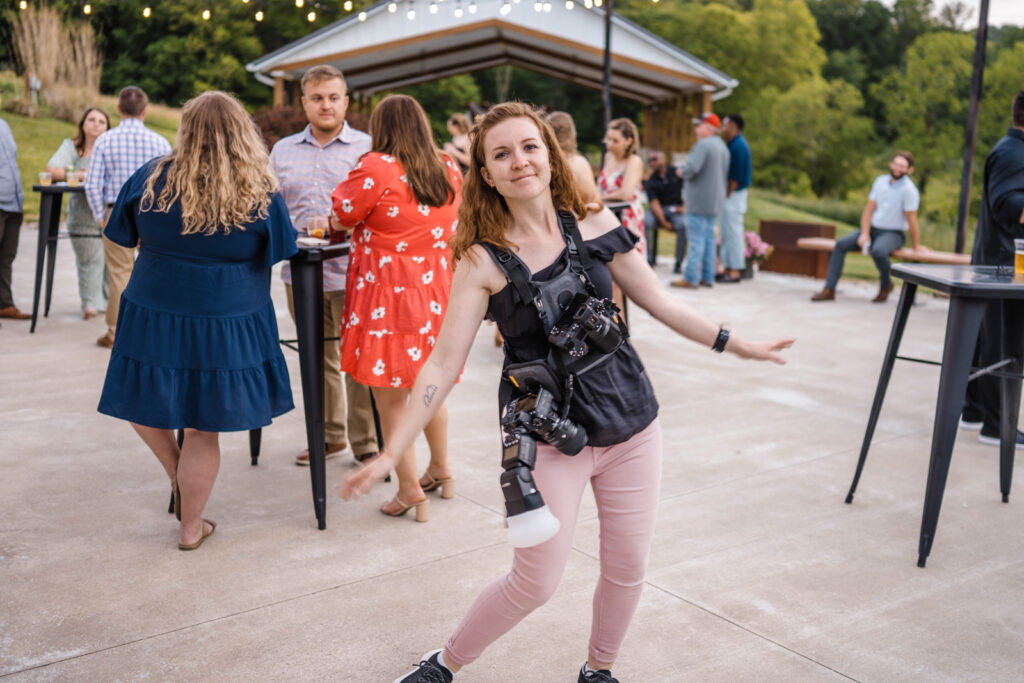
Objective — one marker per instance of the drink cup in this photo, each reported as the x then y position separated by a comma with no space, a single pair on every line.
318,228
866,249
45,178
1018,257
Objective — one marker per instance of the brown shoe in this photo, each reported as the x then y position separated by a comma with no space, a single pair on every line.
106,341
683,283
331,450
883,294
13,313
827,294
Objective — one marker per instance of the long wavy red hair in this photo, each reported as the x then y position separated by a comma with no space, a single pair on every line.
483,214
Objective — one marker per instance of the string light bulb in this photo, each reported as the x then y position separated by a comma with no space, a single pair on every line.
348,5
569,4
588,3
433,8
537,6
206,15
411,14
472,8
362,16
547,6
458,12
300,3
87,9
311,17
505,8
146,12
598,3
393,7
259,15
23,5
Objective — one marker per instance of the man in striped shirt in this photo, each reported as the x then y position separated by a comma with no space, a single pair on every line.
309,165
116,155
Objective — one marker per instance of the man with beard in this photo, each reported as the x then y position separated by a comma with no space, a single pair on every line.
891,213
309,165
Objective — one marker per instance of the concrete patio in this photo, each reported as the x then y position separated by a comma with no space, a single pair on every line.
759,571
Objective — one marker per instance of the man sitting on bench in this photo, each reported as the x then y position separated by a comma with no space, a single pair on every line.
891,212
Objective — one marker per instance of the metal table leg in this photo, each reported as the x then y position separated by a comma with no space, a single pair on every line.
1011,343
962,325
907,293
308,295
49,224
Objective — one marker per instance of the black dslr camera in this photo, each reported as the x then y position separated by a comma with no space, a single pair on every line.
587,322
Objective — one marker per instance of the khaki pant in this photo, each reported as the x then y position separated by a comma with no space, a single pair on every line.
120,261
348,413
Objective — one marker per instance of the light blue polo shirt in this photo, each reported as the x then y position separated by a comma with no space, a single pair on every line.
893,198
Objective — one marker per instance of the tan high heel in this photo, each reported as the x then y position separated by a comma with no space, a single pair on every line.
429,483
422,509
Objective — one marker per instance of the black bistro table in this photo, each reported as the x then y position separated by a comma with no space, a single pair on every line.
308,295
50,199
969,288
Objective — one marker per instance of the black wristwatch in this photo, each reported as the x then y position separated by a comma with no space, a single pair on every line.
721,340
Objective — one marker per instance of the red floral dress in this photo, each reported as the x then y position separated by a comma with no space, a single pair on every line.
632,215
399,273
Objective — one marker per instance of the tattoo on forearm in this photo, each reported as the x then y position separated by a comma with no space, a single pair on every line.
428,395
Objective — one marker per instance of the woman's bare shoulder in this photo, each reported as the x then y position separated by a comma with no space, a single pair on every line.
593,225
481,269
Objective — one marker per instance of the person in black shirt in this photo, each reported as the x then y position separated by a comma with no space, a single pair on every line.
518,180
1000,221
664,190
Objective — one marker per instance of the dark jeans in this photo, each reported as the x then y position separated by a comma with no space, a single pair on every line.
678,221
883,243
982,402
10,228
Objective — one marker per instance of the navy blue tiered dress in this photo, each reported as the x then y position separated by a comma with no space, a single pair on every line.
197,342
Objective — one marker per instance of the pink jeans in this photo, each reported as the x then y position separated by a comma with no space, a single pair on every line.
625,479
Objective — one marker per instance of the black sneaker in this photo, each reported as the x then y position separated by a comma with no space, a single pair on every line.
599,676
429,670
992,438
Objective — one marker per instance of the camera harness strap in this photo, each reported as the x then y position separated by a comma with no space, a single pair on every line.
518,273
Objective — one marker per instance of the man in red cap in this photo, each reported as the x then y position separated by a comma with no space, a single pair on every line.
705,172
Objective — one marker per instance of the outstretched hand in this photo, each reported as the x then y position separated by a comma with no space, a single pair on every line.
362,480
765,350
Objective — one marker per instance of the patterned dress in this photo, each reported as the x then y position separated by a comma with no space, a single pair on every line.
632,215
400,271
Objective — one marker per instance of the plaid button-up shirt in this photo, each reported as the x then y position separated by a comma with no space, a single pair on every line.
116,155
308,173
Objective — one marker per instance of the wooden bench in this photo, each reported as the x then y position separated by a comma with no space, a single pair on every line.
942,257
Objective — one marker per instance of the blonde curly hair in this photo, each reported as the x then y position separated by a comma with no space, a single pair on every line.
219,171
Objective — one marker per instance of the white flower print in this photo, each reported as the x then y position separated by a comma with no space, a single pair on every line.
378,369
401,246
379,334
387,158
396,382
368,183
353,320
359,283
399,289
428,277
425,328
414,352
444,263
357,353
455,224
424,209
370,277
366,234
404,178
392,212
367,250
346,206
418,259
384,260
440,245
430,339
437,232
377,313
435,308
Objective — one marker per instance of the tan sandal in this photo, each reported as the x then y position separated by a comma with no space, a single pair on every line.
422,508
206,534
447,485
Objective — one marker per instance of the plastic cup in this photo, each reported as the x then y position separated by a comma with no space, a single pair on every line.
1018,257
45,178
72,179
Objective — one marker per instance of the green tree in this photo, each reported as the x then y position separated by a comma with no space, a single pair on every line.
440,99
814,130
1002,81
926,102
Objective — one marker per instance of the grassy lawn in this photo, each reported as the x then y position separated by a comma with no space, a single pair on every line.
38,138
761,207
